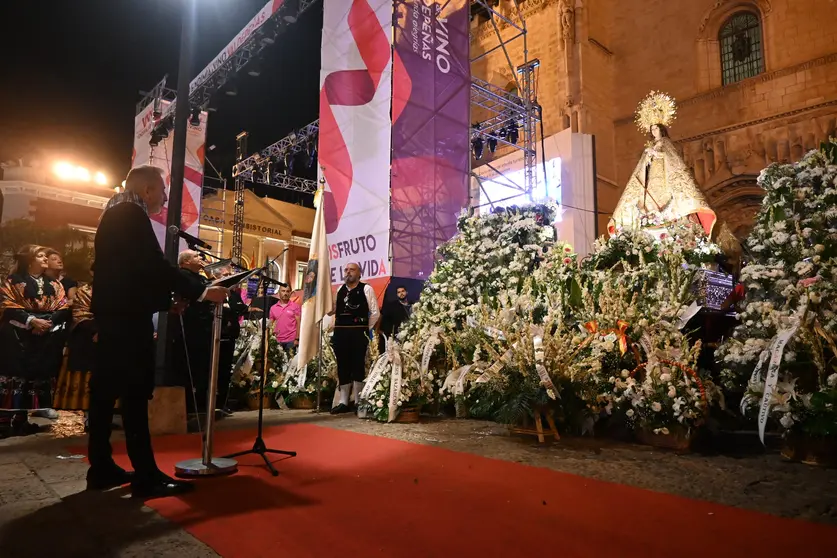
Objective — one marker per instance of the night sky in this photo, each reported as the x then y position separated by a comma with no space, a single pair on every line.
72,72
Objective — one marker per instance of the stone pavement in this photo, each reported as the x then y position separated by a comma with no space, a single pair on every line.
45,512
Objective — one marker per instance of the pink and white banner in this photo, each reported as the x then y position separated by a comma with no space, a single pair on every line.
160,156
355,134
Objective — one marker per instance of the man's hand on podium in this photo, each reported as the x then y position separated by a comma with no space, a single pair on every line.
217,294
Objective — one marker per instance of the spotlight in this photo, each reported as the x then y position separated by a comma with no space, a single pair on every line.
289,163
511,128
292,10
195,118
231,91
311,149
100,178
476,143
253,68
492,144
155,139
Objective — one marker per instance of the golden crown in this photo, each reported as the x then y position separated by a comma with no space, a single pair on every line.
656,108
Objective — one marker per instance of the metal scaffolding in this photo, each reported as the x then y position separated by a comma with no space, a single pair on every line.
238,212
504,112
212,80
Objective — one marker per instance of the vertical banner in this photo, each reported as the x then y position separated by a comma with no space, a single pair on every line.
431,130
354,137
160,156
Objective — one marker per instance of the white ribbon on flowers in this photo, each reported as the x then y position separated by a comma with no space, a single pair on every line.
492,332
375,376
395,384
428,352
686,313
777,347
495,368
546,381
648,347
455,379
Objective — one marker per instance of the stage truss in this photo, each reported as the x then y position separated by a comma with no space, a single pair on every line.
499,107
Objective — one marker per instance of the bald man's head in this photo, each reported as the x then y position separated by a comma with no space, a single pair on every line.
147,182
352,273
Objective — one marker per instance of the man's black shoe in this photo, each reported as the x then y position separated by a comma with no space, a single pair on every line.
110,479
161,488
340,409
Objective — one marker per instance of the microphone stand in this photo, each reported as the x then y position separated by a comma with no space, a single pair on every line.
259,446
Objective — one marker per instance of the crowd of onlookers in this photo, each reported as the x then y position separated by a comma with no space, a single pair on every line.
47,341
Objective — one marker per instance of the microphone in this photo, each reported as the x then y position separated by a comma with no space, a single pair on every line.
190,240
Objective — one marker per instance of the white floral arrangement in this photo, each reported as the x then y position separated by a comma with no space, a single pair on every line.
789,315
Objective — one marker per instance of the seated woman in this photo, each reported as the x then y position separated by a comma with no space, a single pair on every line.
661,189
33,311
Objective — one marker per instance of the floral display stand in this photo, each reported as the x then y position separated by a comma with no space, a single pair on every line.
811,451
253,401
540,416
676,439
409,415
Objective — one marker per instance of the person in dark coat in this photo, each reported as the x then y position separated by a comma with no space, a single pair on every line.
394,313
132,281
192,338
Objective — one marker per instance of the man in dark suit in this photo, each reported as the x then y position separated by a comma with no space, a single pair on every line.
193,342
132,281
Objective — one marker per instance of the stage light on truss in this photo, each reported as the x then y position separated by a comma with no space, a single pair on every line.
100,178
253,68
289,163
195,117
492,145
231,90
477,145
311,150
155,139
292,10
512,131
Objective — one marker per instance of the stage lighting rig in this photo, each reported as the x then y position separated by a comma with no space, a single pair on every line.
254,68
289,162
195,117
292,11
492,144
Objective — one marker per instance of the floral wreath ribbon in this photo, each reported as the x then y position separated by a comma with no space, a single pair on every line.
621,335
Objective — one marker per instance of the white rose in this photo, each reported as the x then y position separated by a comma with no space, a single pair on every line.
786,421
832,380
629,413
672,392
380,403
665,377
656,407
275,384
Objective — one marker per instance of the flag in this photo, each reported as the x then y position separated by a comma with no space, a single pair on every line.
317,298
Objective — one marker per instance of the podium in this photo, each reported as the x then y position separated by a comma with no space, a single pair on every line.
207,465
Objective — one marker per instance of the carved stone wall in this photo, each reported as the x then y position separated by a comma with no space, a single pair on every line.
593,75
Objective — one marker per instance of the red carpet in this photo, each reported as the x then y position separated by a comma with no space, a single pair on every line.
351,495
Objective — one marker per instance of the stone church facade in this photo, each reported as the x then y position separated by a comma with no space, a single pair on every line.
755,83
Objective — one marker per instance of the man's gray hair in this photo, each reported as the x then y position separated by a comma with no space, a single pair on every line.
141,176
185,255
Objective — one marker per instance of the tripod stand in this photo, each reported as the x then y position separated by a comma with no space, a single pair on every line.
259,446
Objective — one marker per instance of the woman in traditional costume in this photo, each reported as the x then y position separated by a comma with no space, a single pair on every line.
72,392
661,189
33,310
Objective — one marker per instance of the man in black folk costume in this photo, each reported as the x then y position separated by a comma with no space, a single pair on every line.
33,311
356,312
132,281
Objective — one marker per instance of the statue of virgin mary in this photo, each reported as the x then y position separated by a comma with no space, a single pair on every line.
661,189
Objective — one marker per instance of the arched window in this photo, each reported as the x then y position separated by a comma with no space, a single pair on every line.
741,48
